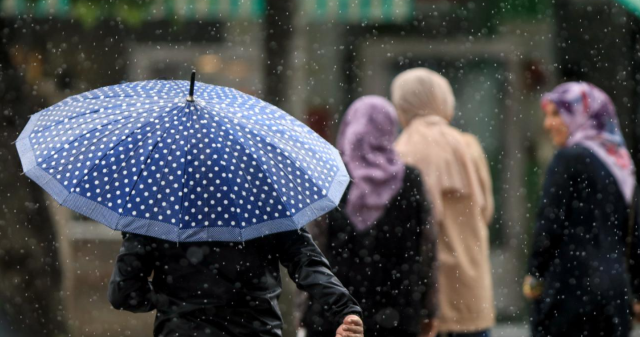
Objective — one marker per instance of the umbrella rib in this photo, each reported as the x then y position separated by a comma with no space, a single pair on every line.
263,208
126,200
138,91
288,143
276,189
141,141
123,165
317,167
172,82
121,140
167,161
81,124
131,118
89,121
279,123
269,132
206,208
131,191
84,114
299,189
235,201
155,98
257,159
186,153
295,161
85,149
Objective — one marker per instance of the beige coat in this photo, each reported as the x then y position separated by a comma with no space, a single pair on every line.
462,214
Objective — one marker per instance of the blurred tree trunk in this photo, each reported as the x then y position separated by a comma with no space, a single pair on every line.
634,45
277,47
279,33
30,282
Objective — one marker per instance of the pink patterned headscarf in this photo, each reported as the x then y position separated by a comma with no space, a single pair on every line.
365,141
591,119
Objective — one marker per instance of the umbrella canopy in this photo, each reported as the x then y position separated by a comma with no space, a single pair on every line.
148,158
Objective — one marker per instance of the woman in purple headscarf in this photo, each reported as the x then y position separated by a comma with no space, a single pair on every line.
578,276
379,240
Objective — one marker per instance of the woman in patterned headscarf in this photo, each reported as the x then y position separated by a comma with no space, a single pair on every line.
577,269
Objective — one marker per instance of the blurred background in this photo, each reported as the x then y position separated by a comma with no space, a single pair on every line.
312,58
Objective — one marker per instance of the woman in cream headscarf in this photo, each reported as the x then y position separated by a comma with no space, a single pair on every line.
457,180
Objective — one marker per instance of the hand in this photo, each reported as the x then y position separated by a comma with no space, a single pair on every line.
351,327
531,288
428,328
636,311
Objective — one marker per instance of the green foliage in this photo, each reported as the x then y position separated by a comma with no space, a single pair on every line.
131,12
525,9
90,12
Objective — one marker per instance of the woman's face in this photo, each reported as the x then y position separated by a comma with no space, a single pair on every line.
554,125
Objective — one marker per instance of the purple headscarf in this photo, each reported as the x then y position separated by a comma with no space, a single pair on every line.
365,141
591,119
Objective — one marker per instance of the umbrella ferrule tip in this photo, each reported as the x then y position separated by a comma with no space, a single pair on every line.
190,99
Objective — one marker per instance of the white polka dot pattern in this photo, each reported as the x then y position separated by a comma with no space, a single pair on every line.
138,157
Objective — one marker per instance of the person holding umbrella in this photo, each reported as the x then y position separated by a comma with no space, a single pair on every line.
211,189
226,289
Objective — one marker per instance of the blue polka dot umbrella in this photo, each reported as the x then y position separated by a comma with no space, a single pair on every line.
154,159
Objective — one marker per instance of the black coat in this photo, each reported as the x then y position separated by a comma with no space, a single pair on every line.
580,250
222,289
389,268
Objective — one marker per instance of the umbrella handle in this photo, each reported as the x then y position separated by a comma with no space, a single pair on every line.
193,81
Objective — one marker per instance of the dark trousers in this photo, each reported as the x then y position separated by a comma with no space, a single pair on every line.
386,332
484,333
579,318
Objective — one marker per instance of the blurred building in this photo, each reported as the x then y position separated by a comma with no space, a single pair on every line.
500,56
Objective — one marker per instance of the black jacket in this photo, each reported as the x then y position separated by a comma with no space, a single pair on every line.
389,268
580,250
222,289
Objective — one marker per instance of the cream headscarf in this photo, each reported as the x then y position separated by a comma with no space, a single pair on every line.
444,155
422,92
